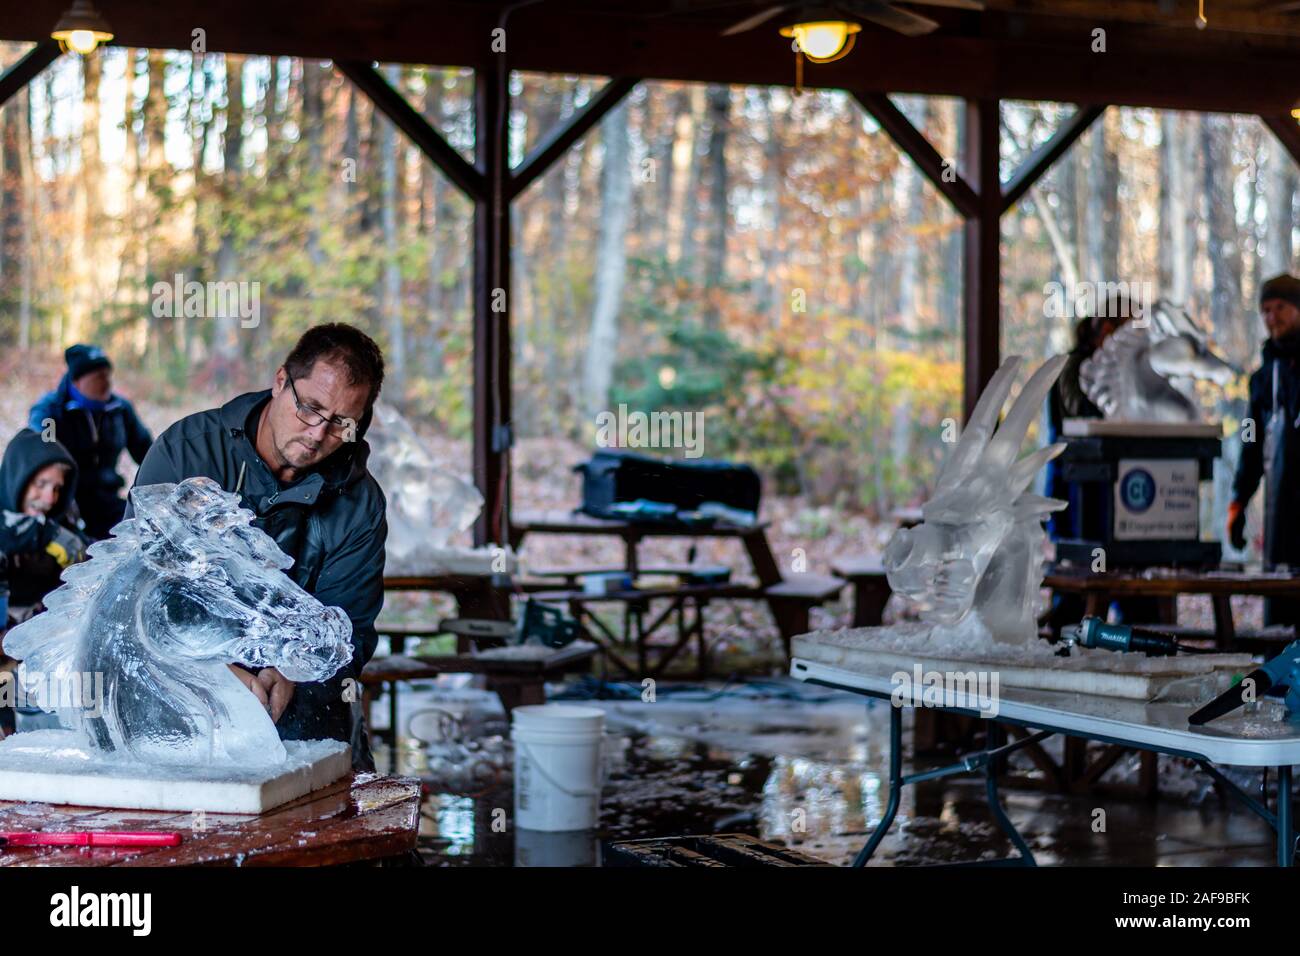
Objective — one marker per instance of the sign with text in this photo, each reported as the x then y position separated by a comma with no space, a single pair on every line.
1157,499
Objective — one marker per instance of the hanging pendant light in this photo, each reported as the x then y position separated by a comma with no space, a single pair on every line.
823,41
81,29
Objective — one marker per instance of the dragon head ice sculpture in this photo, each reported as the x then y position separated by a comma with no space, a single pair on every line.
973,567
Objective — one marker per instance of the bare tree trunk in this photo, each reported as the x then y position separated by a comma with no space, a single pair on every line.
1100,244
1177,232
23,106
1224,246
435,303
11,209
611,262
912,194
715,268
224,331
677,188
690,205
1279,175
772,303
391,284
155,119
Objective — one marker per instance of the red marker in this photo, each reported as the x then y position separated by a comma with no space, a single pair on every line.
90,838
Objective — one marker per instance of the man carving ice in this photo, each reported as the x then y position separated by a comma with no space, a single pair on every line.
295,454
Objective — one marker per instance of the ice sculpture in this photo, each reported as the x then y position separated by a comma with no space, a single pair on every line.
974,565
1146,370
427,505
181,590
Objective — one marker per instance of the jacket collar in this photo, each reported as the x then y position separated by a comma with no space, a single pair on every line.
68,400
1288,347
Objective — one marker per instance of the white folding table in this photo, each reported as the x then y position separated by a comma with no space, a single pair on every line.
1162,727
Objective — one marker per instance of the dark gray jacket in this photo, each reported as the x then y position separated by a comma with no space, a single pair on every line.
1282,502
330,521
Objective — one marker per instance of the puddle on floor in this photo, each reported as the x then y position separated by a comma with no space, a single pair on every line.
794,765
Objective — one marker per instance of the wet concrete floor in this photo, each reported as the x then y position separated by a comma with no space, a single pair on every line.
798,766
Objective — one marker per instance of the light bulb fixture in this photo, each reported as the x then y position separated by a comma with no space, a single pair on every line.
81,29
823,41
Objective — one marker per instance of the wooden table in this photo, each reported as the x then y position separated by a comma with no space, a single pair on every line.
1098,590
477,595
788,597
517,682
361,817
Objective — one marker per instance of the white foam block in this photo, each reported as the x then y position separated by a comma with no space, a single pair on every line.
885,650
47,766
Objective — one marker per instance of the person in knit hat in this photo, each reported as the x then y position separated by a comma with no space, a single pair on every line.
94,425
1270,448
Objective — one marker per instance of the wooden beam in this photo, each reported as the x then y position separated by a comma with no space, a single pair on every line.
492,387
1006,54
982,263
942,173
1287,130
558,141
1032,169
27,69
1255,17
405,117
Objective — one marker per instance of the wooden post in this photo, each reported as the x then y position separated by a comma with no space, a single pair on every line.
492,424
982,262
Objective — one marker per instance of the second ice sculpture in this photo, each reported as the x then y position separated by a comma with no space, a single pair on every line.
428,505
974,565
1146,371
181,590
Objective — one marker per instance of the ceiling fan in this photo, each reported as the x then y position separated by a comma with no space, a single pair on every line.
880,12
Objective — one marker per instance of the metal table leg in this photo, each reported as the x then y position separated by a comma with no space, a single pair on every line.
1285,826
990,760
996,738
895,785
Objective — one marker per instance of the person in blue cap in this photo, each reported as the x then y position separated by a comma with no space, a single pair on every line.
94,425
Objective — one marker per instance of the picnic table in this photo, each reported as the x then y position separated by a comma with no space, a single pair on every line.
788,597
1037,715
364,816
516,681
1100,588
482,596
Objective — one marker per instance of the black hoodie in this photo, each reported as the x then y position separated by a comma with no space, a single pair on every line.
24,539
330,521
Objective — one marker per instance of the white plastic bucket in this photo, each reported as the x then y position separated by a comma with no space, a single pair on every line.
557,766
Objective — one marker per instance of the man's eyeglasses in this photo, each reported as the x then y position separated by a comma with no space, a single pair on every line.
312,418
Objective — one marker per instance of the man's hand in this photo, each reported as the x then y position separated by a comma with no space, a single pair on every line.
279,690
1237,525
249,680
271,688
